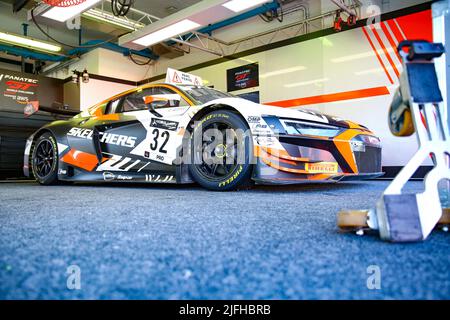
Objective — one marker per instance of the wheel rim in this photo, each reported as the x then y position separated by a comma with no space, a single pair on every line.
44,158
223,158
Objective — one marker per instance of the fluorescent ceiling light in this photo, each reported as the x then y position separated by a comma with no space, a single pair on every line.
175,29
241,5
28,42
62,14
305,83
108,18
282,72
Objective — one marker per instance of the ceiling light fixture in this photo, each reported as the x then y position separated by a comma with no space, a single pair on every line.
63,14
175,29
28,42
101,16
241,5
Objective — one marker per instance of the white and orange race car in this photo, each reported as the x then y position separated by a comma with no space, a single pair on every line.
184,133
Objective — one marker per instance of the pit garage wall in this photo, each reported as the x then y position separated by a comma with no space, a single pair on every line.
352,74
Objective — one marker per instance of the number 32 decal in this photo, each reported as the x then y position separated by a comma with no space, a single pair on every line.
160,140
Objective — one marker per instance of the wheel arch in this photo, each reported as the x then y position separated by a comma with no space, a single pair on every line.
213,107
197,116
59,135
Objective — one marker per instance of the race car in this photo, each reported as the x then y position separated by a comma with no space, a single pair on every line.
182,132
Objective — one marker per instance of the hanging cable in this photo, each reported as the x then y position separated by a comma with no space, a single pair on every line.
63,43
139,63
120,8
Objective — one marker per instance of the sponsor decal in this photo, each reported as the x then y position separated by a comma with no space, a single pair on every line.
253,119
164,124
109,176
18,88
124,178
105,137
147,154
266,141
158,178
232,178
322,167
61,171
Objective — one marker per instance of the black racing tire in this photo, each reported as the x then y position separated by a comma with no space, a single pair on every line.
223,177
44,161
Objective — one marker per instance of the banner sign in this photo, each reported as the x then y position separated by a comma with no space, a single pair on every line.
17,88
177,77
243,77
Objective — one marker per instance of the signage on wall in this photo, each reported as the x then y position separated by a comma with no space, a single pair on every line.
19,88
177,77
243,77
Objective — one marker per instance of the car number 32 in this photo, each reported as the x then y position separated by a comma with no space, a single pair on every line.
160,140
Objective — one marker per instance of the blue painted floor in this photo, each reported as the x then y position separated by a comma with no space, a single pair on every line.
182,242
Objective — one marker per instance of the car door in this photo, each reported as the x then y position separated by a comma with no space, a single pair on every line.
143,136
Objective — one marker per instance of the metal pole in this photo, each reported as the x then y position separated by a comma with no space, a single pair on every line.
441,27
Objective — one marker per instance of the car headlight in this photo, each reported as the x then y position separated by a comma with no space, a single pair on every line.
297,127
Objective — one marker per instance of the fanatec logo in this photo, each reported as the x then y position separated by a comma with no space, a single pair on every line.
18,78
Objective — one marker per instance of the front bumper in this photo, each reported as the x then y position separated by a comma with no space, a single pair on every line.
303,153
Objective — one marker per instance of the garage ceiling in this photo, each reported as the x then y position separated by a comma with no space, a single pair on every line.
163,8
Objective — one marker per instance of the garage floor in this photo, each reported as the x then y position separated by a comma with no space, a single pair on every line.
181,242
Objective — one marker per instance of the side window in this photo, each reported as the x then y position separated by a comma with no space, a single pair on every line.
135,101
174,99
113,106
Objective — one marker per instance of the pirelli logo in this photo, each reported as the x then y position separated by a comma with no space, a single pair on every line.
322,167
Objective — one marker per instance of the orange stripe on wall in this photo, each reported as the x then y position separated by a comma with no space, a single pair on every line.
395,30
376,53
386,53
390,39
333,97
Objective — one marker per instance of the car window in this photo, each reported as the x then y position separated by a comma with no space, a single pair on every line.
135,101
174,99
113,106
204,94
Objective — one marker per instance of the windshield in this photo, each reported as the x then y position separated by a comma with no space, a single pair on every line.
204,94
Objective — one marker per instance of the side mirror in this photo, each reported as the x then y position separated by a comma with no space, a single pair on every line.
154,101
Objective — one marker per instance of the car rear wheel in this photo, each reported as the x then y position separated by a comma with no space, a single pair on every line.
221,152
45,160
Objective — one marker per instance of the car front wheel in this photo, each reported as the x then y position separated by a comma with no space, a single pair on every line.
221,152
45,160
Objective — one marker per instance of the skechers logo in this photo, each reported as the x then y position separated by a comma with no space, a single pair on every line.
109,138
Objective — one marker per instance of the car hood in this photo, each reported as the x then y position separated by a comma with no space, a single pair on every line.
300,114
